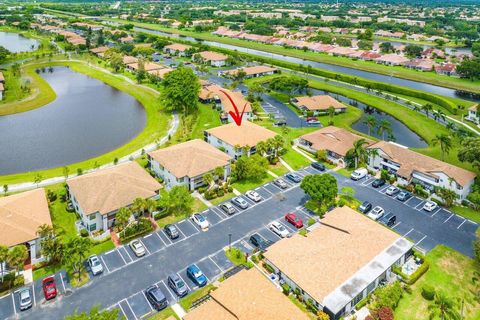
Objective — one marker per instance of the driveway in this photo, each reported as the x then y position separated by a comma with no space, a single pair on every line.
125,277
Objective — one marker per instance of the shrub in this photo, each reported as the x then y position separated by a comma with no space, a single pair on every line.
310,221
141,227
321,155
341,202
388,296
418,273
202,189
84,233
230,189
285,289
322,315
311,306
220,193
302,232
254,259
268,267
362,303
428,292
52,196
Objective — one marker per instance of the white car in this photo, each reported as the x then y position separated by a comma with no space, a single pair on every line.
137,247
392,190
279,229
430,206
95,265
359,174
200,220
25,299
253,195
376,213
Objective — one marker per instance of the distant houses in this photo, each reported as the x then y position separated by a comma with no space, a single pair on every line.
177,49
212,58
318,105
250,72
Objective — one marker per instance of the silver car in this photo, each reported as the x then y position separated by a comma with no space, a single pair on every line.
253,195
137,247
280,183
95,265
25,299
240,202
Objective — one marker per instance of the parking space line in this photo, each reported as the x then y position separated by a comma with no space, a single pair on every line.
215,213
246,244
272,231
408,200
219,212
33,294
221,269
448,218
396,225
436,212
13,302
195,226
190,289
263,187
148,302
125,261
103,264
121,309
130,307
461,223
416,207
408,232
420,240
183,234
174,296
4,296
384,189
161,230
128,254
63,283
148,251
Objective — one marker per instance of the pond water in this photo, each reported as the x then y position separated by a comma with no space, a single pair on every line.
400,132
88,118
346,70
15,42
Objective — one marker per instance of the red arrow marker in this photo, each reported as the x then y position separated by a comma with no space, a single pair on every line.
237,116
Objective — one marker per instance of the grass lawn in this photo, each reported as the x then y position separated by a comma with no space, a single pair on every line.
63,221
467,213
279,169
345,172
164,314
198,205
162,222
187,302
401,72
13,90
246,185
237,257
76,281
302,307
223,198
295,159
451,272
156,126
208,118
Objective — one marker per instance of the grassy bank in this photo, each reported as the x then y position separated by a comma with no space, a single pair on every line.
400,72
155,127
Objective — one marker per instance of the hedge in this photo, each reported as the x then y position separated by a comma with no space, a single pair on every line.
414,276
143,226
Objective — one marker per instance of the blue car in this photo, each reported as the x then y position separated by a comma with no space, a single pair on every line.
293,177
197,276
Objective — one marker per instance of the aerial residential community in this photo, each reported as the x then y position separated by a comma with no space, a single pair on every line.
240,160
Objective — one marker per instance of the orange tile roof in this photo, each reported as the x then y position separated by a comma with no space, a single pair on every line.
20,216
248,134
178,47
211,91
317,102
212,56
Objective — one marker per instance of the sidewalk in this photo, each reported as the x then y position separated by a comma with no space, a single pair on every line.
201,198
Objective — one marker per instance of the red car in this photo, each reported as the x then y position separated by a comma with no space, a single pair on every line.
49,288
293,219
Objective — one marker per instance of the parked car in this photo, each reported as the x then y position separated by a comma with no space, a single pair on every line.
156,298
259,242
171,231
359,174
279,229
430,206
137,248
293,177
95,264
319,166
200,221
25,299
253,195
377,183
404,196
280,123
390,220
308,119
376,213
240,202
49,288
228,208
177,285
280,183
392,191
197,276
365,207
294,220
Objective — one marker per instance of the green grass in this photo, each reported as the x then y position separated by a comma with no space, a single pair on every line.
223,198
13,90
164,314
198,205
156,125
345,172
237,257
450,272
401,72
170,219
62,220
295,159
246,185
187,302
279,169
76,281
207,118
302,307
467,213
102,247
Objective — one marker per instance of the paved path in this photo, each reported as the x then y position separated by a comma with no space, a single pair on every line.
297,149
285,164
197,195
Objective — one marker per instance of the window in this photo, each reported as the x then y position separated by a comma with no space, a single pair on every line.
93,227
92,217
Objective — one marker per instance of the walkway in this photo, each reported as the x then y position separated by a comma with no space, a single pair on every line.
197,195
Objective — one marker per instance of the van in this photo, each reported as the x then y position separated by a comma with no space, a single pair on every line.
359,174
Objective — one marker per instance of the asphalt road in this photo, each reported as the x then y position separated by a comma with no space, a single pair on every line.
126,276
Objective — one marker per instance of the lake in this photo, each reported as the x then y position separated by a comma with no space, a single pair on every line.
88,118
15,42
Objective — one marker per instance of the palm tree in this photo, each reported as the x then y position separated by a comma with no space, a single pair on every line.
219,172
277,144
372,153
371,122
427,108
262,148
150,206
16,257
122,217
438,114
443,308
451,126
208,179
445,143
358,151
331,114
139,205
3,258
384,126
416,107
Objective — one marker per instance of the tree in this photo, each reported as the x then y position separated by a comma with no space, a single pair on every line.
365,45
470,151
276,144
3,258
331,114
371,123
443,308
16,257
115,60
181,89
37,179
445,142
358,152
178,201
5,189
4,53
141,73
439,114
412,50
208,179
250,168
386,47
476,248
427,108
122,217
469,69
384,127
448,196
66,170
75,253
94,314
51,246
322,188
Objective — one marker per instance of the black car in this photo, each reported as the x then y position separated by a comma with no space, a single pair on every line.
171,231
318,166
365,207
377,183
156,298
404,196
389,220
259,242
280,123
